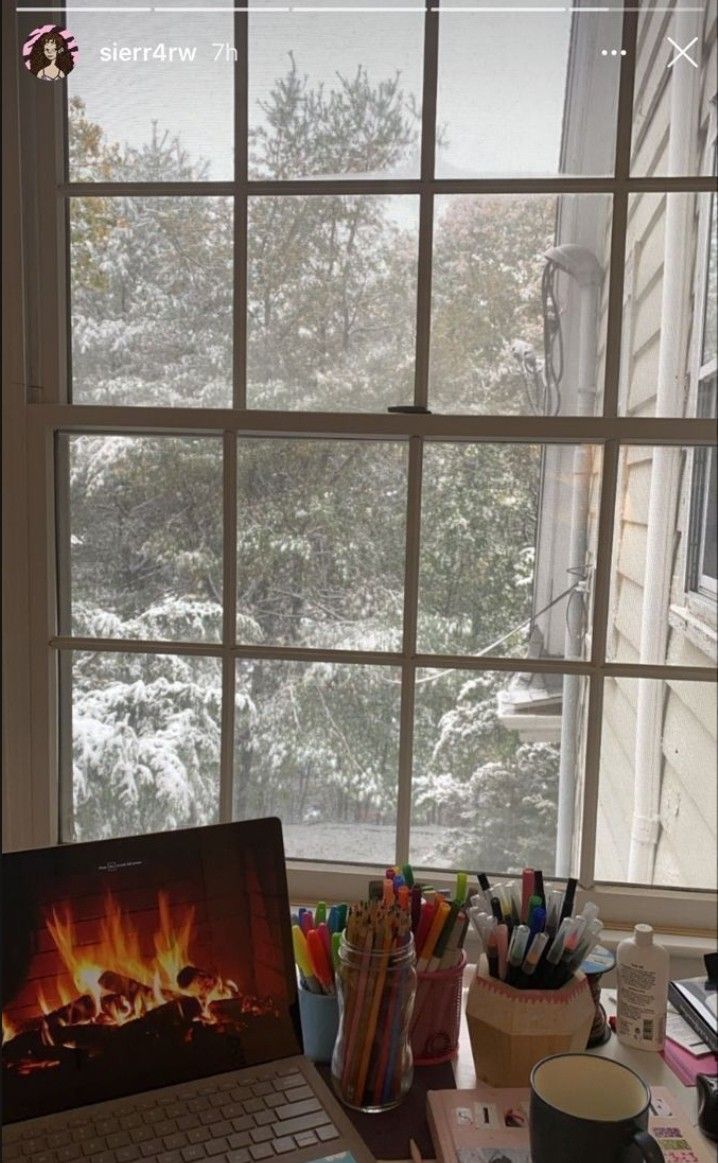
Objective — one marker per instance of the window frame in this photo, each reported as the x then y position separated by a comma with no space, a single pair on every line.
36,399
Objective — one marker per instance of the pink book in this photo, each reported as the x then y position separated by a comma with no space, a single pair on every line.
470,1126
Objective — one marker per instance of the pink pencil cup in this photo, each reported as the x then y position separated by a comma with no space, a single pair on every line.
436,1020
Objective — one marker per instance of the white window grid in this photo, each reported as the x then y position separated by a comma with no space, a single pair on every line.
39,409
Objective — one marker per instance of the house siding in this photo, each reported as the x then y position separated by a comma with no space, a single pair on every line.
688,796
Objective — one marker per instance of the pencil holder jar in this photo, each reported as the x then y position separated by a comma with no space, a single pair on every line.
372,1065
513,1029
319,1015
436,1020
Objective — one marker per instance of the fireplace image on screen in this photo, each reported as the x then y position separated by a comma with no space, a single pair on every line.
110,973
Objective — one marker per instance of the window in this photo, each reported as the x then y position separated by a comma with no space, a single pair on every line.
326,500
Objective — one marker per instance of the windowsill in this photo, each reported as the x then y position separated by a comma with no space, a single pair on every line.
697,621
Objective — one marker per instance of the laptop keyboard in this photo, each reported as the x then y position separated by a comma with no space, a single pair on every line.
223,1119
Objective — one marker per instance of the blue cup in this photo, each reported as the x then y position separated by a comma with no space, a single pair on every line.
319,1014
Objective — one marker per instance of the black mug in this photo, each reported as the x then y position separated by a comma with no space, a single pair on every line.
587,1109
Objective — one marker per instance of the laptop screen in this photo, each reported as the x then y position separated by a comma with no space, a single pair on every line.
137,963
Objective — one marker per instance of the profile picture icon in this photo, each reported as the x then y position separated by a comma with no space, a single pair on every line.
50,52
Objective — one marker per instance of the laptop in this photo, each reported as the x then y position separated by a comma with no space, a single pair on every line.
150,1006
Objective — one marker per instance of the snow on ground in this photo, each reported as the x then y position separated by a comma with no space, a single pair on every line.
354,843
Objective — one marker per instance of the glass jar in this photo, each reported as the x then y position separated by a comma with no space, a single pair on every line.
372,1065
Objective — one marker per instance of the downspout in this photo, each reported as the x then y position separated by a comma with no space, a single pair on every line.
581,265
663,496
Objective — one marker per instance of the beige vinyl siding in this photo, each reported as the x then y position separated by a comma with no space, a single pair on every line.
689,801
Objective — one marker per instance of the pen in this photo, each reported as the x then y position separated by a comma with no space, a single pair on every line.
497,910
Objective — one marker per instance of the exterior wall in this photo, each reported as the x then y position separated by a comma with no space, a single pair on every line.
688,806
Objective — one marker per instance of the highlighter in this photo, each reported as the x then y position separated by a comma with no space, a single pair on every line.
461,887
301,956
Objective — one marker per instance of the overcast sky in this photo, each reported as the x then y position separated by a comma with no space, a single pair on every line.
501,78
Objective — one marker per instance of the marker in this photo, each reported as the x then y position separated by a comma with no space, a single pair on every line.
403,895
484,887
425,920
492,954
320,913
415,907
306,921
441,913
553,910
461,886
443,939
452,953
336,942
539,888
568,899
408,874
502,940
538,920
527,888
533,954
497,910
517,950
319,959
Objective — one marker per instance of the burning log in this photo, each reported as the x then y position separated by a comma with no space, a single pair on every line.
82,1009
180,1012
197,981
118,984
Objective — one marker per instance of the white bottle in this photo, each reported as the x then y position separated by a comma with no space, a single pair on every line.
642,970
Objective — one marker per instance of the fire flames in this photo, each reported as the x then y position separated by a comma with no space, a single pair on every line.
116,983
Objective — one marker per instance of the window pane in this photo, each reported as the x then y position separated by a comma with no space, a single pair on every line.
152,301
508,548
487,768
145,744
321,532
673,89
658,783
143,541
331,302
656,535
317,744
526,93
334,92
663,307
519,299
138,99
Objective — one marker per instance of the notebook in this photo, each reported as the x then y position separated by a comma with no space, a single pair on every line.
150,1005
489,1125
